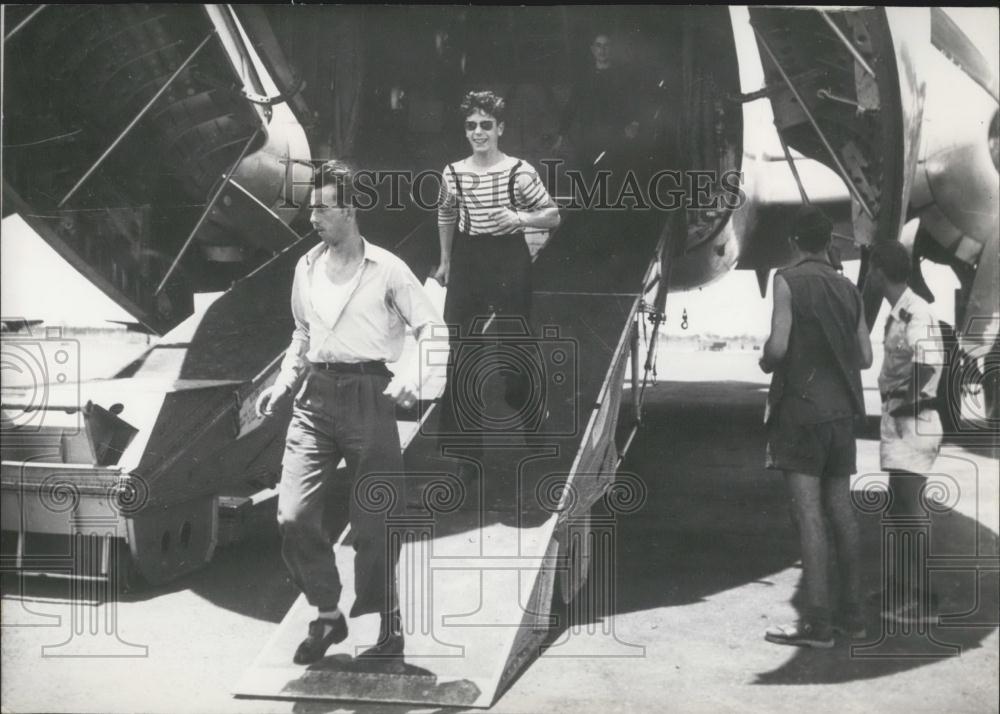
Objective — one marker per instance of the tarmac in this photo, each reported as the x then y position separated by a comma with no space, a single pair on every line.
700,570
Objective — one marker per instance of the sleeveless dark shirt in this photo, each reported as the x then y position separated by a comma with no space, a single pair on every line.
820,377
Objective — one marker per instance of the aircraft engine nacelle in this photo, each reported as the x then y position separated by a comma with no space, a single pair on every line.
275,165
956,193
258,186
956,186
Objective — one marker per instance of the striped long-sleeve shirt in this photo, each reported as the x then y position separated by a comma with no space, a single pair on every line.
469,194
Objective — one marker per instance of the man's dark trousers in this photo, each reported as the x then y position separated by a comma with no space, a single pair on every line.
337,415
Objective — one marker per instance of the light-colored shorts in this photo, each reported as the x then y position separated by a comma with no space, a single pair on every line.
910,443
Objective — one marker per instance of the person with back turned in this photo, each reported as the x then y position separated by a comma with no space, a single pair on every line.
351,302
817,348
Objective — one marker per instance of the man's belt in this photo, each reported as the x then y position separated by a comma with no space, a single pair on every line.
896,394
374,368
909,409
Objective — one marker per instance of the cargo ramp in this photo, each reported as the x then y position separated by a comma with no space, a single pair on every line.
481,557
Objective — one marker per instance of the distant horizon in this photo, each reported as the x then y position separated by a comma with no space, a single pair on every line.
728,308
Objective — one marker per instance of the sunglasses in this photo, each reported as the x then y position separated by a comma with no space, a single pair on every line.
485,125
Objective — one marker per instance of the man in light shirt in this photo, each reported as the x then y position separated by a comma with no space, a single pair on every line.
910,429
352,302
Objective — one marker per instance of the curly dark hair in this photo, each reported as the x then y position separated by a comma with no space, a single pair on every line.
485,101
812,229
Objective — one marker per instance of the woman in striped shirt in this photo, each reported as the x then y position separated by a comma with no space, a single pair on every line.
486,202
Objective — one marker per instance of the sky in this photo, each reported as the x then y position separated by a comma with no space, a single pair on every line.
733,306
38,284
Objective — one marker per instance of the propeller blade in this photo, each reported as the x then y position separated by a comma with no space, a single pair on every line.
871,296
947,37
982,313
917,282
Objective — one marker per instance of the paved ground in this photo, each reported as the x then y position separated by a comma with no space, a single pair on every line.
702,569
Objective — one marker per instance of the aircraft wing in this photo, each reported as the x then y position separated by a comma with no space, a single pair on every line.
19,324
777,193
779,187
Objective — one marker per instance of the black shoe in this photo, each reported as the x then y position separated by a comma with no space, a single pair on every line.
850,623
388,647
803,634
390,639
313,647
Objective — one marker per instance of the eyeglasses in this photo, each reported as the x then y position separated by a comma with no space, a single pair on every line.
485,125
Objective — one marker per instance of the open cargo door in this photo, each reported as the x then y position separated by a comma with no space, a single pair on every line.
140,143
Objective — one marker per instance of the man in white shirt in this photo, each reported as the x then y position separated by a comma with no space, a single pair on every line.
352,302
911,430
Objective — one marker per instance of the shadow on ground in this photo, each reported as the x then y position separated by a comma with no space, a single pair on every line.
715,519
